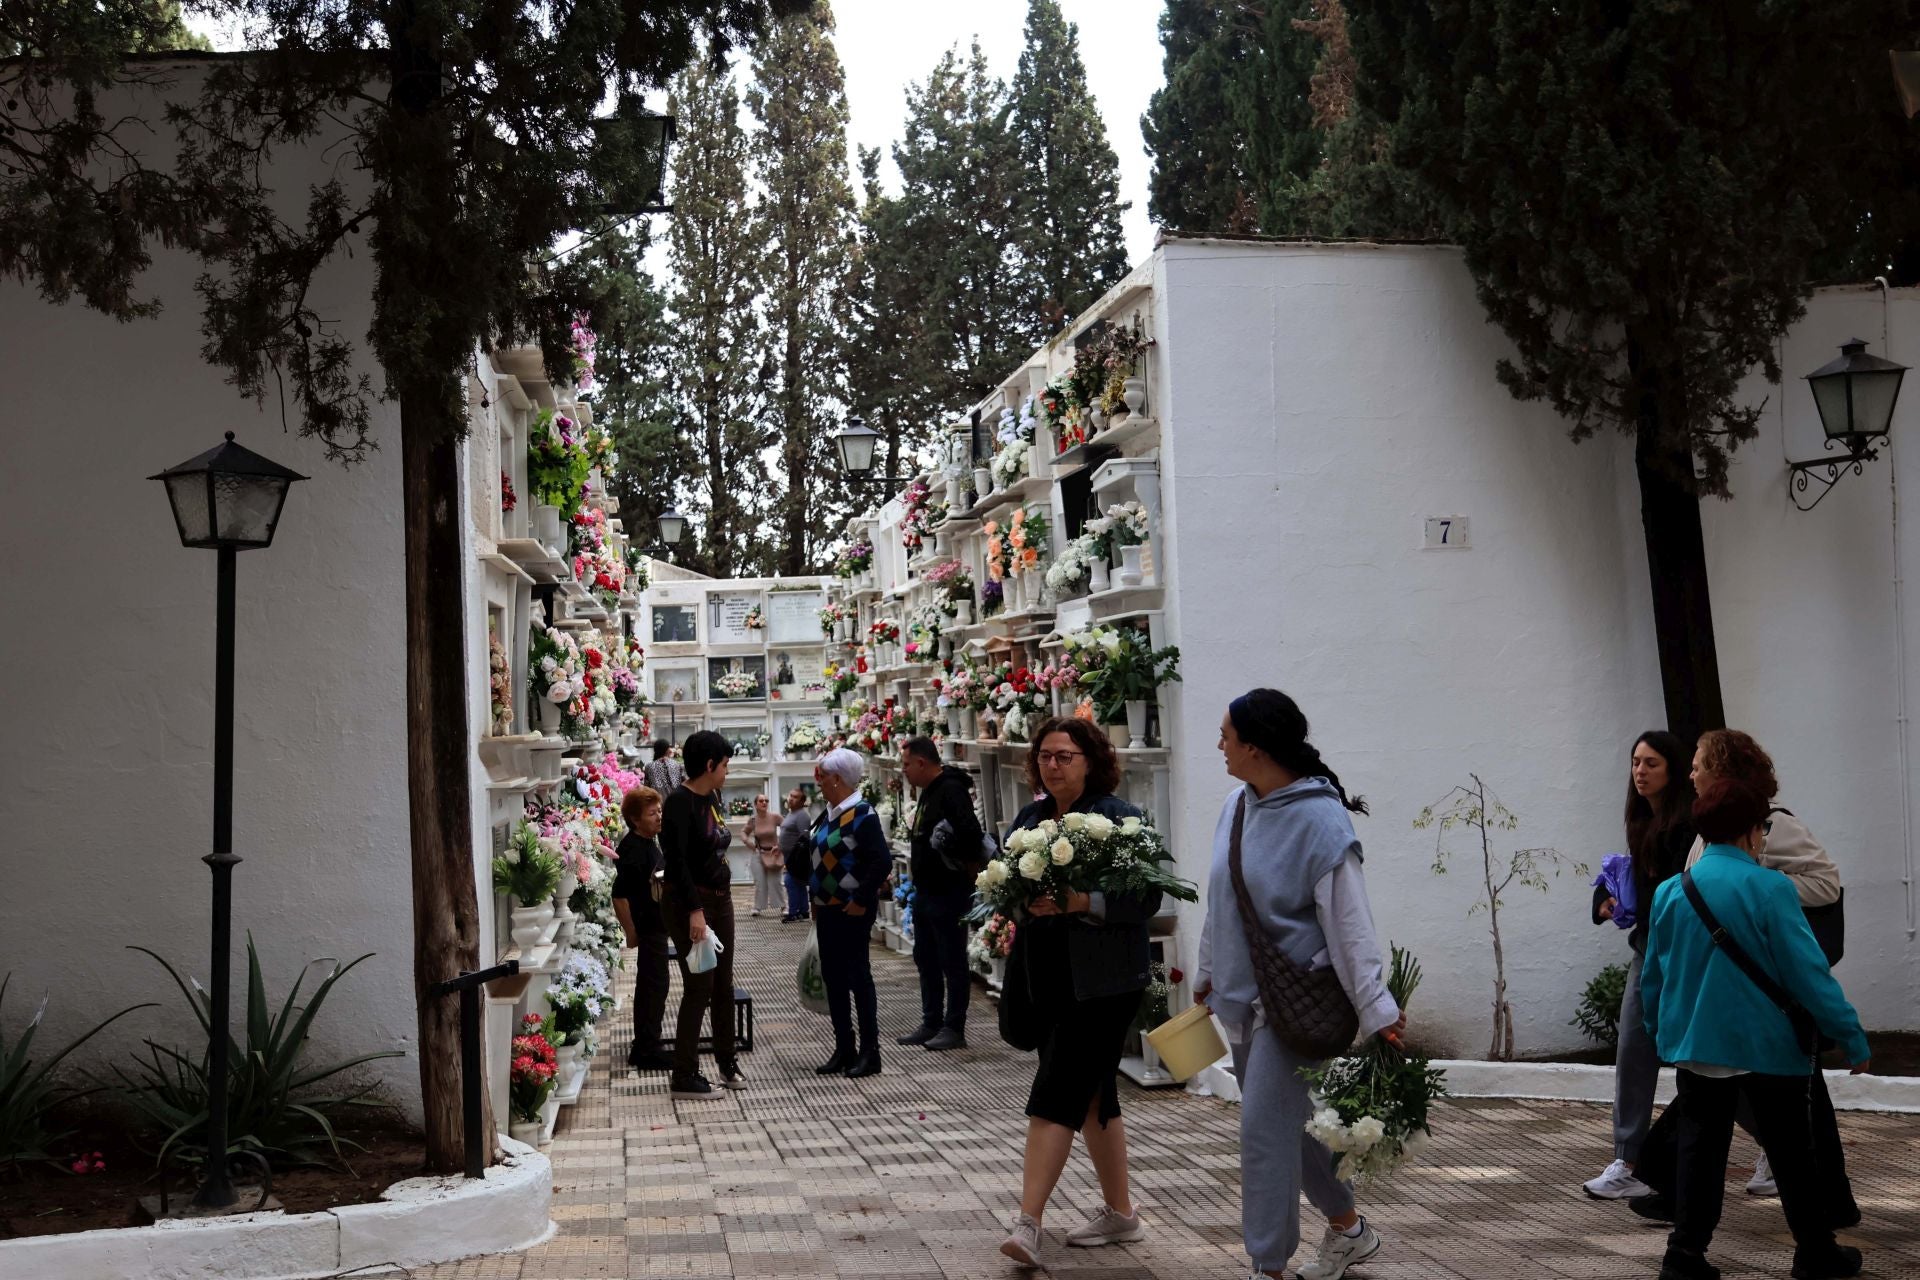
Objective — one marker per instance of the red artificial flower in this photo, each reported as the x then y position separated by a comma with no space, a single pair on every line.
1175,977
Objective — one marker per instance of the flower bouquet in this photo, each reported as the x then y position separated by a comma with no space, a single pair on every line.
739,807
755,619
557,463
1127,524
526,868
994,941
1371,1109
500,685
1026,540
580,995
830,620
855,560
1082,852
885,630
534,1066
736,684
1074,565
805,736
840,680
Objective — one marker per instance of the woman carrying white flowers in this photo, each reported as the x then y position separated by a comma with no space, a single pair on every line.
1301,863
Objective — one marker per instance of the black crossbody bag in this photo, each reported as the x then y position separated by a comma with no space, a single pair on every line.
1805,1032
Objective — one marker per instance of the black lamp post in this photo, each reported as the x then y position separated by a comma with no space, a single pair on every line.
855,444
1855,394
227,500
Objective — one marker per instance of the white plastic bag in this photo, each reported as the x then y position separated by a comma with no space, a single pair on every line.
813,985
703,955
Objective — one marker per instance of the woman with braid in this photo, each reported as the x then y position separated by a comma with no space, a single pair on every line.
1301,863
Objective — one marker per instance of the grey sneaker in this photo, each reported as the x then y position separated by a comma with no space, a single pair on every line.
1106,1227
1338,1252
1023,1246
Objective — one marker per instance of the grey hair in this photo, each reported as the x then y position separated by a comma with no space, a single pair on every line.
845,765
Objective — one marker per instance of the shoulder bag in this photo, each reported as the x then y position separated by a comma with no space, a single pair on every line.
1806,1035
1829,923
1307,1008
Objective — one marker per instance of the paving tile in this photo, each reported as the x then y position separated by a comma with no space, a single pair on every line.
914,1174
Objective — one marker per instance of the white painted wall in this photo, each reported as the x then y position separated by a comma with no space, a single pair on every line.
106,747
1319,402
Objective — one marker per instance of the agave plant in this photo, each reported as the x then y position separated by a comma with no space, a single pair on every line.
274,1105
28,1091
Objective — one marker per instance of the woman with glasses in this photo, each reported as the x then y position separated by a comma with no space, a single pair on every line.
1084,967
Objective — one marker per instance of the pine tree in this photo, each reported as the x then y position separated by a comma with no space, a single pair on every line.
1642,221
806,224
1070,245
717,263
1199,180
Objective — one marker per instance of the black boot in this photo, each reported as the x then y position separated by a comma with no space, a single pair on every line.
949,1038
1681,1265
867,1064
842,1059
920,1034
1832,1264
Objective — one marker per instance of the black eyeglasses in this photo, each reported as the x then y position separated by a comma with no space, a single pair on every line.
1058,757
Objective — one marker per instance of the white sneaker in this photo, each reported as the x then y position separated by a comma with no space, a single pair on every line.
1617,1183
1338,1252
1762,1183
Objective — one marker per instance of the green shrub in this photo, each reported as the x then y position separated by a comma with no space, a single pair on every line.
1598,1014
273,1106
28,1091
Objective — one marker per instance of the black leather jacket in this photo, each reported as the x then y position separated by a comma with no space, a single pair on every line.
1109,953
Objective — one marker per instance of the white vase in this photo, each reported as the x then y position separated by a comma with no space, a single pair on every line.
1054,697
527,1131
526,928
545,908
1117,734
956,489
1136,725
1102,579
1130,572
982,482
1098,418
966,723
1040,459
562,896
1136,394
953,722
963,613
565,1057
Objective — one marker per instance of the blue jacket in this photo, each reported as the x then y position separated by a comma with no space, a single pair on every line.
1700,1007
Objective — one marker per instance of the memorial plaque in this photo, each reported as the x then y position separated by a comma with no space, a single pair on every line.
793,617
676,684
727,619
752,666
796,670
674,624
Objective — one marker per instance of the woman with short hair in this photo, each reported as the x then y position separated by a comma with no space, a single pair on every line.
1084,966
850,861
698,897
637,891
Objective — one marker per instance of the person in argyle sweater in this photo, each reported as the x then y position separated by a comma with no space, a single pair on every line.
851,861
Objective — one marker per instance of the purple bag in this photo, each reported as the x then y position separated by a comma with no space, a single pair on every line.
1616,877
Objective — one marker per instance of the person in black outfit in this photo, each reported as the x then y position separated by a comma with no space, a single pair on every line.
849,860
635,882
698,896
1083,967
946,856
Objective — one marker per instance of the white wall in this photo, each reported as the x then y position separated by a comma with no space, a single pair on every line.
106,748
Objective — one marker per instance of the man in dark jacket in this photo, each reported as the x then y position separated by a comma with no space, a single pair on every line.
946,855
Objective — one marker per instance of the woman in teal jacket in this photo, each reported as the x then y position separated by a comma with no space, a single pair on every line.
1728,1038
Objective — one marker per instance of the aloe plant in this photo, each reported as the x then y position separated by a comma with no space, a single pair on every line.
274,1106
28,1091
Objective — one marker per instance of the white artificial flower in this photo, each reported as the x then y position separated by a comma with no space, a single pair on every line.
1368,1130
999,872
984,881
1110,641
547,663
1130,826
512,855
1033,866
559,693
1075,821
1062,852
1049,829
1099,827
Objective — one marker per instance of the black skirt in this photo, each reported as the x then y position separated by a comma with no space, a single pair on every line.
1080,1040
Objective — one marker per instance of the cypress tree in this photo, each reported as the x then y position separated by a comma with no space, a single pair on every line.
806,225
892,366
1070,244
1199,180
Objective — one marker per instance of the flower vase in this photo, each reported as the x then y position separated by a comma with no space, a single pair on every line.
1130,570
1055,697
568,883
997,972
1102,578
526,928
953,722
1097,418
1117,734
565,1058
982,482
527,1131
1135,391
1136,725
955,491
1040,459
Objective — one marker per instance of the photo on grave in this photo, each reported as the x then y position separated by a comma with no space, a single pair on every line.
674,624
673,684
737,678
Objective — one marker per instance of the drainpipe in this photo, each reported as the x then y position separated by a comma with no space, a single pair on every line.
1899,639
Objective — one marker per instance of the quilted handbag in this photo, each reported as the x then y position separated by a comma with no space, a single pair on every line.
1307,1008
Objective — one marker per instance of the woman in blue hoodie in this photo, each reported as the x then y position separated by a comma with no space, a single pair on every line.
1730,1039
1301,862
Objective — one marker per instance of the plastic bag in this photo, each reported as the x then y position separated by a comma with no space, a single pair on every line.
813,984
703,955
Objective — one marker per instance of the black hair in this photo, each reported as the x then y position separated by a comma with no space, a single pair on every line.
1272,722
1651,823
923,747
660,748
704,750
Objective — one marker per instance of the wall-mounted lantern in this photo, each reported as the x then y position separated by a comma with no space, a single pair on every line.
1855,394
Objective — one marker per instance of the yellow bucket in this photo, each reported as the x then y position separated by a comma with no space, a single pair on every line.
1187,1042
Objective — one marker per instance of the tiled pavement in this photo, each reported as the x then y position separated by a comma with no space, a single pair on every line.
912,1174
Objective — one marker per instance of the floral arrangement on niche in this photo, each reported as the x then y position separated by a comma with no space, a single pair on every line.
500,686
1016,696
755,619
595,564
954,582
579,995
1026,540
558,462
923,634
526,870
1074,564
994,540
919,515
840,680
736,684
884,630
508,498
1119,665
584,343
856,559
739,807
556,673
804,736
830,618
993,598
531,1080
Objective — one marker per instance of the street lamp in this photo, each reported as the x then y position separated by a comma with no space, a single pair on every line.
673,526
1855,394
227,499
856,444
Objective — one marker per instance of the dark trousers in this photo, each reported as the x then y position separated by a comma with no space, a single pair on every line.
1659,1154
649,990
846,966
940,954
700,992
796,896
1782,1115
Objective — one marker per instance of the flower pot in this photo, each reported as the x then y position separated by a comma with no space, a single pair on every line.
1136,394
1097,418
953,722
1054,697
1117,734
565,1057
564,894
527,1131
1136,725
526,928
546,528
967,718
982,482
997,972
1130,571
1186,1043
545,908
1102,579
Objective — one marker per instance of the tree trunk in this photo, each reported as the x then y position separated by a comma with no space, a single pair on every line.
1676,563
446,916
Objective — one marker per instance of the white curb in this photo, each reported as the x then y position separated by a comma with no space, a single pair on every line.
416,1222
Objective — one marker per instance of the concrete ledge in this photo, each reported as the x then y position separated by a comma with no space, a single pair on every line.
416,1222
1573,1082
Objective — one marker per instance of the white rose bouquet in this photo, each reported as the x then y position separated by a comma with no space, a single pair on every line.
1083,852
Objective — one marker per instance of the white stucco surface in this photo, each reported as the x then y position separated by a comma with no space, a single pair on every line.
1320,402
106,748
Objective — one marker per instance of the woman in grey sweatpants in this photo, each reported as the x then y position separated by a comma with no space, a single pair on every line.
1301,862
